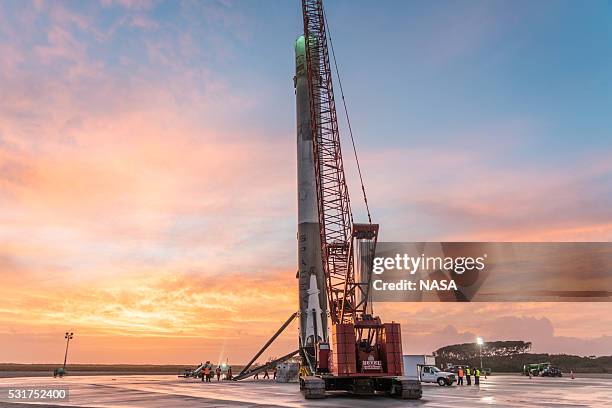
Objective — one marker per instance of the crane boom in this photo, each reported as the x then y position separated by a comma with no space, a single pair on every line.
334,208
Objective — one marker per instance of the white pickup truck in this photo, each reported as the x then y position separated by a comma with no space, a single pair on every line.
433,374
423,368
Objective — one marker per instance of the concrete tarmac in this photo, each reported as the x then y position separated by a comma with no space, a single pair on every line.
164,391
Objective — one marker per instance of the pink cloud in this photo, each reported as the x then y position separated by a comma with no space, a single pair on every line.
466,195
129,4
141,21
551,327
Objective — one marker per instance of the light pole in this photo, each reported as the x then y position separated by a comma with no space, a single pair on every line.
68,336
480,343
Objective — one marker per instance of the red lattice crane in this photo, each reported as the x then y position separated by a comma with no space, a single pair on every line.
365,355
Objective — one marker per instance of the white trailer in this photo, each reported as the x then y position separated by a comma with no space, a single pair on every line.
423,368
412,363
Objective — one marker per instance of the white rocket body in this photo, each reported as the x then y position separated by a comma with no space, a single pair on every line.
312,282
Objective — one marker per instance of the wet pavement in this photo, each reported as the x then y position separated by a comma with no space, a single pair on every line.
170,391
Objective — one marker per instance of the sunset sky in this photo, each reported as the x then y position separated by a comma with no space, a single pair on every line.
147,165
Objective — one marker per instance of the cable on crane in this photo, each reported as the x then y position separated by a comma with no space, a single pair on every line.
348,121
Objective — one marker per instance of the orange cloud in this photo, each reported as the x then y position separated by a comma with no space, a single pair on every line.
169,307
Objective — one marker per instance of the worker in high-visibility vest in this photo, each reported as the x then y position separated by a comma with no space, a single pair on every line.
207,372
477,377
460,376
468,375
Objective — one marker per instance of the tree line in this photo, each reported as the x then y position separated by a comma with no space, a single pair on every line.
510,356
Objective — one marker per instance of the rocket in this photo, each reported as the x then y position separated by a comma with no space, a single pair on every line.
312,282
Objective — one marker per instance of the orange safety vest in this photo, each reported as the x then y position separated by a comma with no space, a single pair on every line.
460,372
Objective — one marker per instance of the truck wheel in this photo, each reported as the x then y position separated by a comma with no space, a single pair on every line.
441,382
